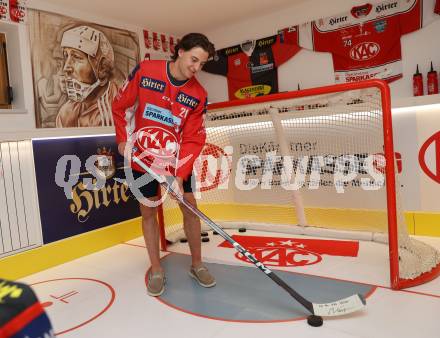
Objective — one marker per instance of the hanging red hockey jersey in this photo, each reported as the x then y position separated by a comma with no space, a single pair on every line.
164,119
365,42
251,67
437,7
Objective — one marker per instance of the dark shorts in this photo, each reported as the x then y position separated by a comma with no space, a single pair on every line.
150,189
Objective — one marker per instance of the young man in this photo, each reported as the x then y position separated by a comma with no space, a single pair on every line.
160,112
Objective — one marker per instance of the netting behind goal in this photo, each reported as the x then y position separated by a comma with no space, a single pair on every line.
315,162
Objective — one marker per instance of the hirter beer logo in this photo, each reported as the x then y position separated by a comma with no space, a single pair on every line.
364,51
157,142
105,163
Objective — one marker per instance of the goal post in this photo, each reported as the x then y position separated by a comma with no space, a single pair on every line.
315,162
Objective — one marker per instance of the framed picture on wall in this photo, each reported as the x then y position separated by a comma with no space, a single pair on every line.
78,68
5,89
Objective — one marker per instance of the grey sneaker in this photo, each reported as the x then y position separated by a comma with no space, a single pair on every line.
202,276
156,284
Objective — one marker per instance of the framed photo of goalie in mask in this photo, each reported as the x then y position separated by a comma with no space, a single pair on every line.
78,68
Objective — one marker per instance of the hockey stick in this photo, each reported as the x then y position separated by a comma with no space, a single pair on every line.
337,308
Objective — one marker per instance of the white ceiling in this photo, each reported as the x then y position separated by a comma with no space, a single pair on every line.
178,16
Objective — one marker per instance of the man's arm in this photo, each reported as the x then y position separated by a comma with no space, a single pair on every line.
193,140
122,115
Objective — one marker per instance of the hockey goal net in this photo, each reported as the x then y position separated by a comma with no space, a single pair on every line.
316,162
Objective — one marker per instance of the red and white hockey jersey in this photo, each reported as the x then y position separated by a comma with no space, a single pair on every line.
164,119
365,42
253,71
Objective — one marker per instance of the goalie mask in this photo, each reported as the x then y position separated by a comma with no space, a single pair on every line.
95,45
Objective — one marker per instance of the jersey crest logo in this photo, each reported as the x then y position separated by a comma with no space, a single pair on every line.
264,59
380,26
361,11
157,142
364,51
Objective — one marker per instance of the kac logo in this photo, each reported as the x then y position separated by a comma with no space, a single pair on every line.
364,51
282,256
157,142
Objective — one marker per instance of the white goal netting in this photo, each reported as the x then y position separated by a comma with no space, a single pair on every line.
312,165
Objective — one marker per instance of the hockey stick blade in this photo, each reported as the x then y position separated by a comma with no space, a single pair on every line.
341,307
336,308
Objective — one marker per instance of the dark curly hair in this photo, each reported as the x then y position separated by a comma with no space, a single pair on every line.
192,40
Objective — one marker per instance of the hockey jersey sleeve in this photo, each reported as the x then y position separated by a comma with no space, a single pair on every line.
218,64
305,39
193,139
416,14
123,106
287,45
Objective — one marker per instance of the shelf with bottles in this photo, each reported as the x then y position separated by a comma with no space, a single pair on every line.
423,95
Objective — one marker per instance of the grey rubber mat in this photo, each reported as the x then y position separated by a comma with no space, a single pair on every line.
247,294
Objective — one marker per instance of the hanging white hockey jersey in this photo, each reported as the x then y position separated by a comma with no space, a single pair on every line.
365,41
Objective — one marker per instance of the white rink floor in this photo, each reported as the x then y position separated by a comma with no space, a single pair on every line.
104,295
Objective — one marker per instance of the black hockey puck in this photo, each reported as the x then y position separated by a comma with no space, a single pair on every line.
205,239
315,321
242,230
183,240
215,232
203,234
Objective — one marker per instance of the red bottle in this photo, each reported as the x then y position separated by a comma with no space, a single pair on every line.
418,83
432,81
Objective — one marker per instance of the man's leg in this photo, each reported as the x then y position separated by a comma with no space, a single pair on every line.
192,228
150,229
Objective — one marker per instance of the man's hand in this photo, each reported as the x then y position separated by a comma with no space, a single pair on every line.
121,148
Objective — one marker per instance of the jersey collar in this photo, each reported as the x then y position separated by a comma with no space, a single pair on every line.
172,79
